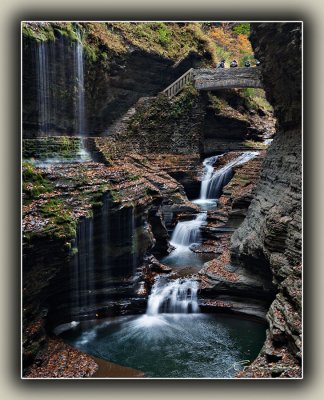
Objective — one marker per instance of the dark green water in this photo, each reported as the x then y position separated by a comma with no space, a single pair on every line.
172,345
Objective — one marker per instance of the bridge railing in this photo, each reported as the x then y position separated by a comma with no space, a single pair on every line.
179,84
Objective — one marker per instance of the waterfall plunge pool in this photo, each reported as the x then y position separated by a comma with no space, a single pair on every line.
172,345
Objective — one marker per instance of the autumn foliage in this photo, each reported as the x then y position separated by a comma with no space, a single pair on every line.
230,44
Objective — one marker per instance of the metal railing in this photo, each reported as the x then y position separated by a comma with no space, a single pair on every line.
179,84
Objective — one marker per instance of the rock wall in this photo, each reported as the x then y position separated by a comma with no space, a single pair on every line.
111,87
96,222
52,147
231,121
193,122
270,236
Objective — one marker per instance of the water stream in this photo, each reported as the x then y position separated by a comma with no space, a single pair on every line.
173,339
79,70
60,86
178,296
214,180
172,345
187,233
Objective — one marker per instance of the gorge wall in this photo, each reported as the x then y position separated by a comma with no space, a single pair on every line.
139,172
117,70
270,236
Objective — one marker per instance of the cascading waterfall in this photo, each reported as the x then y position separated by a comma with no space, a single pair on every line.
134,242
80,105
84,264
214,181
60,86
43,87
105,230
178,296
208,173
188,232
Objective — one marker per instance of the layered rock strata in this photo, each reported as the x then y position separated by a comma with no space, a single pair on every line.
98,222
270,236
226,287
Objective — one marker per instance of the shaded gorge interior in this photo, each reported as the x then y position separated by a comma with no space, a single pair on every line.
134,204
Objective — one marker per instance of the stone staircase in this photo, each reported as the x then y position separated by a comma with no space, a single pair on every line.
120,126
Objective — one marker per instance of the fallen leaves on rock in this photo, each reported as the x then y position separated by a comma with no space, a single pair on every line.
60,360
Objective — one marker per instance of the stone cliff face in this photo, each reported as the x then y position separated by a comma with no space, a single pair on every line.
193,122
98,223
111,84
270,236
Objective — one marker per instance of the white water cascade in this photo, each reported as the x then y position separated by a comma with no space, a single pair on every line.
43,87
178,296
188,232
214,181
80,109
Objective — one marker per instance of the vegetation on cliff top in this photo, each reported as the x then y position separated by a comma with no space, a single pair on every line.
175,41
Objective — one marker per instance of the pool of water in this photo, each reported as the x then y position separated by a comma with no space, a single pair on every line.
172,345
182,259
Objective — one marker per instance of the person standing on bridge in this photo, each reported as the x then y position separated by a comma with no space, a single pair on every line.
233,64
221,64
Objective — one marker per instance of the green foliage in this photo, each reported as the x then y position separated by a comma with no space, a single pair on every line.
67,30
44,31
164,109
115,196
133,177
61,223
255,145
34,183
222,54
246,57
243,29
184,102
51,207
164,35
171,40
255,98
40,32
91,52
216,103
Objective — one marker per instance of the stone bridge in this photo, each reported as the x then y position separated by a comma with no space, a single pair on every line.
227,78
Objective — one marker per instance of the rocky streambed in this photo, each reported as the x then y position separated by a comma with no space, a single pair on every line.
106,264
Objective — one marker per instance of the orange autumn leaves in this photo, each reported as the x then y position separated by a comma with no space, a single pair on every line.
238,45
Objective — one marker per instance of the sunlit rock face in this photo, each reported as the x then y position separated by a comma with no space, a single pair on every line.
270,236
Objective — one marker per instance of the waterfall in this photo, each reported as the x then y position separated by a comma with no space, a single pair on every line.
43,87
208,173
84,264
267,141
178,296
188,232
105,230
59,71
214,181
80,110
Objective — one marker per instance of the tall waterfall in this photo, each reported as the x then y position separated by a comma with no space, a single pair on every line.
84,264
178,296
214,181
60,87
188,232
80,110
43,87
